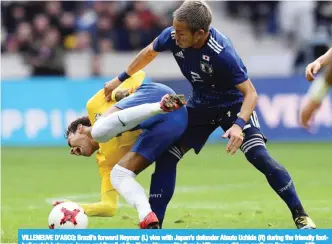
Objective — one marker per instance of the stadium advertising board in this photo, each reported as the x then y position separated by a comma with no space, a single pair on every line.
36,111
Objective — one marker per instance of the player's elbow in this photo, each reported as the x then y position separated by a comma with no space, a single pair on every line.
252,96
150,52
255,97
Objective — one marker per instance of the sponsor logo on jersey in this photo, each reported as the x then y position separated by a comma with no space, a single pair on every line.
179,54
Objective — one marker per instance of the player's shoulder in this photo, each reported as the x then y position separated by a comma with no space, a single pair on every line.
217,41
168,34
170,31
95,100
165,41
97,103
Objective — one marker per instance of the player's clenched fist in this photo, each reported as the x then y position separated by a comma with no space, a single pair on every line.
311,70
235,136
110,86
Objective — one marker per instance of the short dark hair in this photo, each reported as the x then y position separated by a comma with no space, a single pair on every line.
72,127
197,14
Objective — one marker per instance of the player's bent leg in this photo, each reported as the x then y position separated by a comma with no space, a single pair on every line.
278,178
123,180
166,156
118,121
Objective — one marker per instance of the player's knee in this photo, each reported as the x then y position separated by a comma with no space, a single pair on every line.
260,158
253,143
173,152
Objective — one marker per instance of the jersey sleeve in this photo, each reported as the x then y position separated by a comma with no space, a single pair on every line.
131,83
231,64
164,41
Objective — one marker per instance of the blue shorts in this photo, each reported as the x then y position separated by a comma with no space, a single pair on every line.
161,131
203,121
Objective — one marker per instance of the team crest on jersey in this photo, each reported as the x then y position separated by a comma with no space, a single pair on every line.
206,68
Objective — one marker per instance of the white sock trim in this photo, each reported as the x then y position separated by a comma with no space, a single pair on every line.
126,171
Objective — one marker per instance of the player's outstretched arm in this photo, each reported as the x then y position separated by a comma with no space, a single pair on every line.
250,99
313,68
143,58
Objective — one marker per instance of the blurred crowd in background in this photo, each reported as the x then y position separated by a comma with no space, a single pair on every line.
44,31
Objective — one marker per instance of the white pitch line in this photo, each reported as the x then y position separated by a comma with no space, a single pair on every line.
183,189
246,205
180,190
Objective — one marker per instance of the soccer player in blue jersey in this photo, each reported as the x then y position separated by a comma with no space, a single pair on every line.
222,96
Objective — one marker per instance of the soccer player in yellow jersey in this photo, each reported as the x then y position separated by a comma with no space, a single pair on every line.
109,153
131,134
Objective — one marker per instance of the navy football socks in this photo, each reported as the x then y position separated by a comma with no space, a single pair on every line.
163,183
278,178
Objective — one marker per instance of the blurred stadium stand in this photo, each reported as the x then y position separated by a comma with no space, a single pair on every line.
96,38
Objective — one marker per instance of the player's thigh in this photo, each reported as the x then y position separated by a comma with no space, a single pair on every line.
134,161
195,137
157,139
252,133
200,126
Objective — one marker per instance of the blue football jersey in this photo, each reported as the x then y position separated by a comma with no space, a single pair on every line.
213,70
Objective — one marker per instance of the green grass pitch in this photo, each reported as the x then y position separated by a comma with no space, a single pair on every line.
214,190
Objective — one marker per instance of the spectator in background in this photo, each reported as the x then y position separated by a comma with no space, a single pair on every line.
100,26
263,17
296,20
67,30
86,18
323,15
103,36
83,41
16,17
103,32
47,58
54,10
41,24
24,37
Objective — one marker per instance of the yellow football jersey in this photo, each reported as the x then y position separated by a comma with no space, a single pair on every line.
111,152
